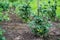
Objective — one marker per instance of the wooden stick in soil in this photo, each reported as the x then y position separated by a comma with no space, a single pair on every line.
38,7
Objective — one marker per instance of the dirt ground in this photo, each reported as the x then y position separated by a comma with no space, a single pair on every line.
21,31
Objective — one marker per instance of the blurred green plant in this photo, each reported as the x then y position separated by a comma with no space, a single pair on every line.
4,6
52,11
1,34
3,17
39,26
24,12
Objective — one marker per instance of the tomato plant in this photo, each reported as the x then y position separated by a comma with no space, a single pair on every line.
39,26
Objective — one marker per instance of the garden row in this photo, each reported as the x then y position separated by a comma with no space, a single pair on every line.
38,19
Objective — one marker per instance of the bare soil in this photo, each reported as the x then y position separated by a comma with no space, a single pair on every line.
21,31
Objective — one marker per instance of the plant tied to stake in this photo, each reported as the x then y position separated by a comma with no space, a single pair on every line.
40,24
